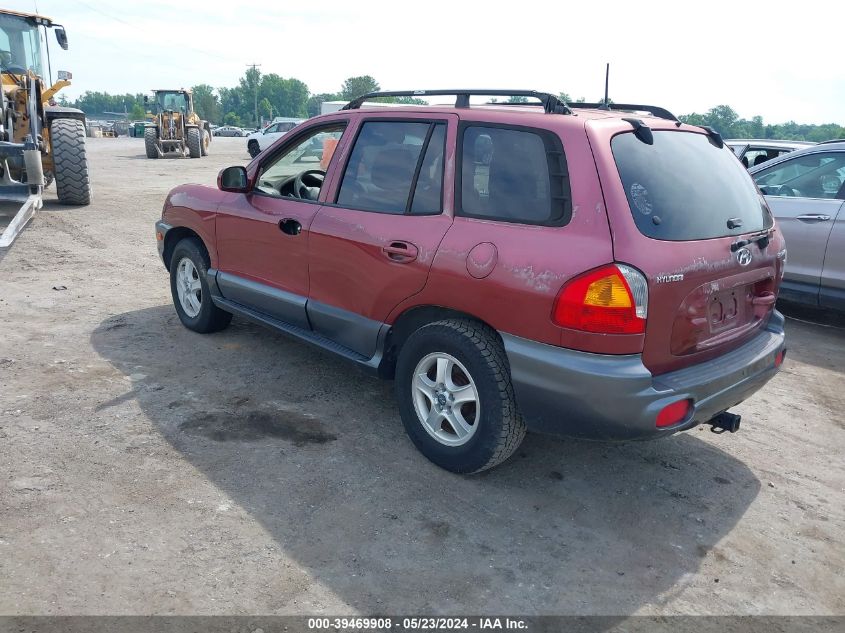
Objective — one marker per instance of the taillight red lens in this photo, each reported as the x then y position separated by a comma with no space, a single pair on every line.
600,301
673,413
779,358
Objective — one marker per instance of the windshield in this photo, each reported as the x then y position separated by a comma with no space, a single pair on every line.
172,101
684,188
20,45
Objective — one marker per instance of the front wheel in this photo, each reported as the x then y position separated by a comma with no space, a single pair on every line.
190,291
194,142
253,148
70,161
455,396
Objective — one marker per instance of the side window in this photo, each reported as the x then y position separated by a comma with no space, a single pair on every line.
395,167
809,176
271,129
311,152
514,175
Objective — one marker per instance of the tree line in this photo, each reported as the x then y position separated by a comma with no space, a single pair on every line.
259,97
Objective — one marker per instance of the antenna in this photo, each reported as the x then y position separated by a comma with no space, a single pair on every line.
606,103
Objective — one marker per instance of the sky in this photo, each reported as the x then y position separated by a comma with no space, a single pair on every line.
757,57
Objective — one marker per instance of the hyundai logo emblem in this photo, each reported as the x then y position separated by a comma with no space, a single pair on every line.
743,256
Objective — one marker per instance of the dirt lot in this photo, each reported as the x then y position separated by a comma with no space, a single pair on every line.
146,469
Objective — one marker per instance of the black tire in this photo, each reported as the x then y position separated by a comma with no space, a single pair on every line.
210,318
253,148
150,142
70,161
194,142
206,141
500,427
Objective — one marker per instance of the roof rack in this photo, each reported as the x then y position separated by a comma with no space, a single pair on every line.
832,140
660,113
551,104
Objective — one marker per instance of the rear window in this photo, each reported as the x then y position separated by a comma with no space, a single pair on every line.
684,188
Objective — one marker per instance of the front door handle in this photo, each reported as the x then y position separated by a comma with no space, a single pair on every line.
400,252
289,226
813,217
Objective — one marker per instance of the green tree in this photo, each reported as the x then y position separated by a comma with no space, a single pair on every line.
137,113
517,99
249,85
265,110
232,119
357,86
289,97
206,103
312,107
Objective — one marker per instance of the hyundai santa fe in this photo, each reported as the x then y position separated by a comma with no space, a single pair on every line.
599,271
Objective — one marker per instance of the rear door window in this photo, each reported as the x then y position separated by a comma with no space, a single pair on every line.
682,187
395,167
513,175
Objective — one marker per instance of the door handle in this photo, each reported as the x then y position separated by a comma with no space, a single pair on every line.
813,217
289,226
400,252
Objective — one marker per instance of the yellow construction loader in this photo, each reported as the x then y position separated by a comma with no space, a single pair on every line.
175,127
39,142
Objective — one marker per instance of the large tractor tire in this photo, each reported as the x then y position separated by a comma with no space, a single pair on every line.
206,141
194,142
73,183
151,142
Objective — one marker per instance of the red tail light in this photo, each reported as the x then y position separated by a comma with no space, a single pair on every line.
673,413
612,299
779,358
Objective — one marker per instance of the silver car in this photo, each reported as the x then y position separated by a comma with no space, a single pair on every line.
753,152
806,193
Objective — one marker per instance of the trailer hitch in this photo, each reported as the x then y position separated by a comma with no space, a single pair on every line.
725,421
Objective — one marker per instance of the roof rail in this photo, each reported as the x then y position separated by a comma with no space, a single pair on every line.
832,140
660,113
551,104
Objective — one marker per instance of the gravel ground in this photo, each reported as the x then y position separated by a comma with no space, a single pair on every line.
145,469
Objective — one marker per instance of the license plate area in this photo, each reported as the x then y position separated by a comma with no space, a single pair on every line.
728,309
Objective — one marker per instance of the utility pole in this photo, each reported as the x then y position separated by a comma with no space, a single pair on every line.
254,67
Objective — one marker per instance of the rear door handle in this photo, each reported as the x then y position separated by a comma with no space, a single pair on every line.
400,252
813,217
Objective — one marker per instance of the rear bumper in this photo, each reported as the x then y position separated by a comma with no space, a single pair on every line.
566,392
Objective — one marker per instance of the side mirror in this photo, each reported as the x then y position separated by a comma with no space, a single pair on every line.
233,179
61,37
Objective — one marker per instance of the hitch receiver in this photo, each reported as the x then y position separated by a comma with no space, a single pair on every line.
725,421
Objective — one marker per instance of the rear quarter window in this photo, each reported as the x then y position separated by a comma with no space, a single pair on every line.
682,187
513,174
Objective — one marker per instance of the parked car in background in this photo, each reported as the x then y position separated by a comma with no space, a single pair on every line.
259,141
228,130
511,268
806,193
753,152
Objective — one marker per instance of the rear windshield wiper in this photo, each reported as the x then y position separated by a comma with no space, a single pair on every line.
762,241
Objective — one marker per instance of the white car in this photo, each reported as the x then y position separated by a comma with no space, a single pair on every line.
261,140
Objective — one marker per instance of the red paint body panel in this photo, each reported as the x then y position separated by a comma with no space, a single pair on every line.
708,268
349,268
195,207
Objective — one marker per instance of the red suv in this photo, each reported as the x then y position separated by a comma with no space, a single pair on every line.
577,270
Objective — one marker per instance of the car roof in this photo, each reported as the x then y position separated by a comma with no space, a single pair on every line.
827,146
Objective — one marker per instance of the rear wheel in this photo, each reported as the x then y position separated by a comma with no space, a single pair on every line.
455,396
190,291
151,142
70,161
194,142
